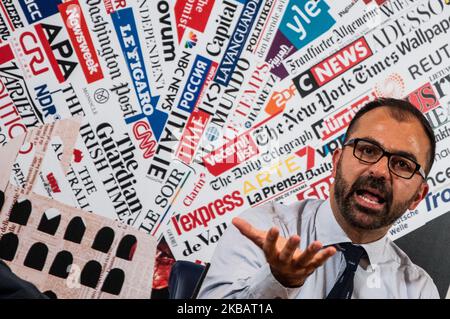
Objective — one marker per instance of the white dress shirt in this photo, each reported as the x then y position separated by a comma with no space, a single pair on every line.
240,270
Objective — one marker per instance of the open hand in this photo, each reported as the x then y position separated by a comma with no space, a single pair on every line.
289,265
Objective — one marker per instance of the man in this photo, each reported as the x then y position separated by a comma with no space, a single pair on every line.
13,287
338,248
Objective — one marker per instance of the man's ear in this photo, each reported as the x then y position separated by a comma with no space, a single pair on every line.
421,194
336,156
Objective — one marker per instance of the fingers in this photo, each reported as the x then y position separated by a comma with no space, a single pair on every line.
308,254
289,249
321,257
242,225
311,258
255,235
270,245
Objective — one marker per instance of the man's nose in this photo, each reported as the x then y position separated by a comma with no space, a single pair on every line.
380,168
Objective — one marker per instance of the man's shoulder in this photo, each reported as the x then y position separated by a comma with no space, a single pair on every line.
412,272
402,259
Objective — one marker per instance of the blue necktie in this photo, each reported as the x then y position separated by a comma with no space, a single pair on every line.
343,288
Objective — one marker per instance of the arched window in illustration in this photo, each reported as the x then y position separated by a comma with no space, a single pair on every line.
50,221
20,212
90,274
8,246
60,266
127,247
75,230
36,256
103,240
114,281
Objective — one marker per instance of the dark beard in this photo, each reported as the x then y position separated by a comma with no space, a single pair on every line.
347,205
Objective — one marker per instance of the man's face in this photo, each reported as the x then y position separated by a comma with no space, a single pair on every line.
369,196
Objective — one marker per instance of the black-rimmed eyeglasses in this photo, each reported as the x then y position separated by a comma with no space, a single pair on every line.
369,152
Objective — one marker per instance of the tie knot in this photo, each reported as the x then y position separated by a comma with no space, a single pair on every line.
352,254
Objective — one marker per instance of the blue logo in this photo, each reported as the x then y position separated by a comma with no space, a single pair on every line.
36,10
237,42
194,84
126,30
304,21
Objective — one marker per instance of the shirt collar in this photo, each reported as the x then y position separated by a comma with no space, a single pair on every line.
329,232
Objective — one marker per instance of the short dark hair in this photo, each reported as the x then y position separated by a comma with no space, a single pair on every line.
400,110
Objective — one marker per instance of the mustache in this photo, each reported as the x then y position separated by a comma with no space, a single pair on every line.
369,181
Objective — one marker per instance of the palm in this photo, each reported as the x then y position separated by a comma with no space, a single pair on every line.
289,264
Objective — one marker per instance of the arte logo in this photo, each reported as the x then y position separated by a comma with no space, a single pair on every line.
192,41
333,66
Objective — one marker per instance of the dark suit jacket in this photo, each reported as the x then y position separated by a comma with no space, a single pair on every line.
12,287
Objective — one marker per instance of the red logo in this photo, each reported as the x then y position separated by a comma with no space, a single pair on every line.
193,14
319,189
341,61
331,125
6,54
53,183
30,47
203,215
379,2
77,155
231,154
424,98
189,199
81,39
192,134
113,5
336,64
108,6
143,133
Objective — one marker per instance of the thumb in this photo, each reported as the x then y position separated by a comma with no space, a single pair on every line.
255,235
